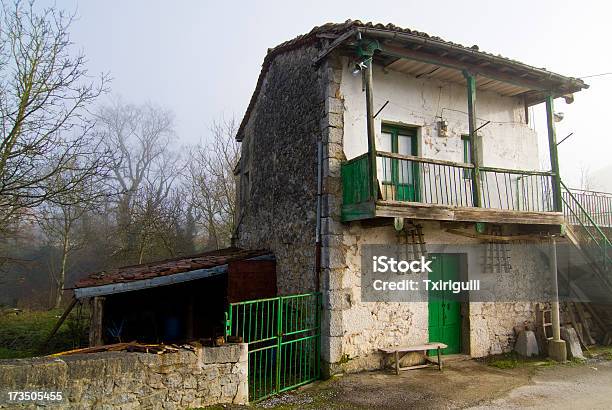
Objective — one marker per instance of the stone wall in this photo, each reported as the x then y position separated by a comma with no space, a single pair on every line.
356,329
297,106
211,375
278,168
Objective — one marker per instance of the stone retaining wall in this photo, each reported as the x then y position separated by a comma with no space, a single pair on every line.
211,375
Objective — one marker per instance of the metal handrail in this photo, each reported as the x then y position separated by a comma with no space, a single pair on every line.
586,213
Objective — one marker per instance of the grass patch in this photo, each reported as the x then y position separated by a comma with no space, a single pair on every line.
512,361
22,335
599,352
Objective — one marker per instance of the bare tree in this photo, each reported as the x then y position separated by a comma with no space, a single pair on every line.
585,177
166,227
59,219
45,91
213,184
144,167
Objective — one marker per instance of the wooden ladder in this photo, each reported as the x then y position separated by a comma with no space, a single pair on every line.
544,320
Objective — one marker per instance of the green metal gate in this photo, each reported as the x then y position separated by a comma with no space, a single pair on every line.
283,335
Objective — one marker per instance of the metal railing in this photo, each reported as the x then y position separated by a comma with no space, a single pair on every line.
414,179
597,204
593,240
283,335
516,190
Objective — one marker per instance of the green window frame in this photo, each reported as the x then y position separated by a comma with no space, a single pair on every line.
404,175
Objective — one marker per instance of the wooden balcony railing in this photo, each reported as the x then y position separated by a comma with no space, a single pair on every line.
405,178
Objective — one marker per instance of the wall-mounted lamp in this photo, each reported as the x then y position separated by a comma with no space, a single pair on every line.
360,66
443,128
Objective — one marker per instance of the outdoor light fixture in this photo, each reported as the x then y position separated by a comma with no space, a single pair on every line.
443,128
558,116
360,66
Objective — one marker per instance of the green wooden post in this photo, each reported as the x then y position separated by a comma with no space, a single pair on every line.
471,100
554,158
366,51
371,131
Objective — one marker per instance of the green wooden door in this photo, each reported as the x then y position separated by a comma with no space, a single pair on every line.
444,312
401,174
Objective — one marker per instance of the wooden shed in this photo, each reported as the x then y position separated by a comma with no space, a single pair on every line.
175,300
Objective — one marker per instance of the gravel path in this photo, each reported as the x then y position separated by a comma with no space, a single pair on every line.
463,384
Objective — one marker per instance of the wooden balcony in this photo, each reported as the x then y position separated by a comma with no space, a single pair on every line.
422,188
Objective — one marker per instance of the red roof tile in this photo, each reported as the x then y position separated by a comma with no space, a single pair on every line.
167,267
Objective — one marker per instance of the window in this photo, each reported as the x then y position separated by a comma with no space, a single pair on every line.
397,140
467,155
398,175
246,189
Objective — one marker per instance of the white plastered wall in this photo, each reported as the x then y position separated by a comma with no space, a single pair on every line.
358,329
507,142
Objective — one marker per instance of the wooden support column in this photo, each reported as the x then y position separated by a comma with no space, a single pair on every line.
554,158
371,129
190,316
557,350
471,101
95,328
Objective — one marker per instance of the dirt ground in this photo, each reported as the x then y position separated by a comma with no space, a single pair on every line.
462,384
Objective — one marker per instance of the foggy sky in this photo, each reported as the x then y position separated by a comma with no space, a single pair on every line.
201,59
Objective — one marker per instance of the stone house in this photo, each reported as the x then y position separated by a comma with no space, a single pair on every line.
360,134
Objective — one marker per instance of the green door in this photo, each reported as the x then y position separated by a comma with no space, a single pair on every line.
400,174
444,312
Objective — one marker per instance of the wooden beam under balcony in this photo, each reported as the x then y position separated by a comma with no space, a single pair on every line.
417,210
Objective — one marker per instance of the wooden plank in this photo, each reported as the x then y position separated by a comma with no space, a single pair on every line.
333,45
415,348
500,238
570,311
424,160
517,171
416,210
354,212
416,366
453,63
59,323
96,335
595,317
585,325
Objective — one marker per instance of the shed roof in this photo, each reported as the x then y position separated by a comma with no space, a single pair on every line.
413,40
167,267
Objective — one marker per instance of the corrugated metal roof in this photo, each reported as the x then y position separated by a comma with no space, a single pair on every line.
167,267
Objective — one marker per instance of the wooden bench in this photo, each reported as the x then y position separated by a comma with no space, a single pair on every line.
415,348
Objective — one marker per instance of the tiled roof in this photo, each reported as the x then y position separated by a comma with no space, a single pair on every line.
337,29
167,267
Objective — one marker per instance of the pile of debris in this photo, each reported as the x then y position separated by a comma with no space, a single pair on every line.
578,321
156,348
129,347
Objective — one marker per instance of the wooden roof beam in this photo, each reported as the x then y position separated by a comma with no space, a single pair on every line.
459,65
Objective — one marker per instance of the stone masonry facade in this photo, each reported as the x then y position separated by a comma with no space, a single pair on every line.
298,105
121,380
278,168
